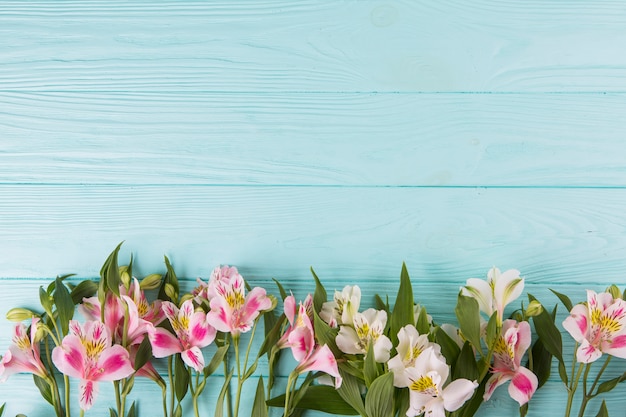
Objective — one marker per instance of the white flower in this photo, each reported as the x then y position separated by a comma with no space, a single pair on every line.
495,293
427,394
344,306
410,345
367,327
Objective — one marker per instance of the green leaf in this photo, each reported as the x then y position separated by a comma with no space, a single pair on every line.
131,411
380,304
402,401
465,366
259,409
250,370
449,349
112,412
564,299
110,272
319,296
84,289
219,406
492,329
403,313
542,362
178,412
523,410
422,325
64,304
468,315
46,301
370,367
44,389
2,409
350,392
326,335
607,386
319,398
273,333
171,280
603,412
128,385
181,377
216,361
281,289
379,399
548,333
144,353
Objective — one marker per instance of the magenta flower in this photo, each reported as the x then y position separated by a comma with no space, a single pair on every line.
300,337
193,332
232,310
599,327
508,352
86,353
23,354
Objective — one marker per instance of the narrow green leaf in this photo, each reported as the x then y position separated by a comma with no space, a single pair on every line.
468,315
465,366
281,289
380,304
523,410
326,335
84,289
370,367
379,400
603,412
131,411
112,412
46,301
607,386
542,362
564,299
128,385
259,408
169,279
110,272
422,325
319,398
250,370
350,392
402,313
319,296
2,409
548,333
144,353
216,361
64,305
492,329
273,333
219,406
44,389
178,412
449,349
181,377
402,401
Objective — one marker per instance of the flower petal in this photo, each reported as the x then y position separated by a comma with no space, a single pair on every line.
481,292
163,343
507,288
113,364
457,392
256,301
201,333
70,357
289,308
382,347
578,322
221,315
348,341
87,394
323,360
523,385
587,353
193,358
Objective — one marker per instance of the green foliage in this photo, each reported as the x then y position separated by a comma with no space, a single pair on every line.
468,315
379,401
403,312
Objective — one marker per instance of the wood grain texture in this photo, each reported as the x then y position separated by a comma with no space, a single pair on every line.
311,139
340,46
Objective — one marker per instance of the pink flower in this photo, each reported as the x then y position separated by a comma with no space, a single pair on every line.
599,327
193,332
206,291
86,353
231,310
508,352
23,354
300,337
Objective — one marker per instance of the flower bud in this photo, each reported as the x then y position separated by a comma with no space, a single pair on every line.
534,309
151,282
171,292
274,303
124,276
20,314
41,333
185,298
614,291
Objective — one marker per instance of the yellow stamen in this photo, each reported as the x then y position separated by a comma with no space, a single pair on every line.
425,385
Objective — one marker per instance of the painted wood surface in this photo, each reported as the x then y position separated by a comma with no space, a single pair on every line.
345,135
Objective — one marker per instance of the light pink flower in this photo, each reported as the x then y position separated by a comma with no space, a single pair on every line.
410,345
368,327
23,354
193,332
206,291
86,353
508,351
495,293
599,327
232,310
300,337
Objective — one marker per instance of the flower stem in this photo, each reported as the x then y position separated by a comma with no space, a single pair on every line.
572,390
229,401
595,382
66,381
239,376
164,389
170,373
118,400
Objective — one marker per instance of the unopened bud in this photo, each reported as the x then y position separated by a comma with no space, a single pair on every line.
534,309
274,303
185,298
151,282
517,316
614,291
20,314
41,333
171,292
124,276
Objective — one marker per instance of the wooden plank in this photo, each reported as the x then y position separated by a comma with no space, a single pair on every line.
554,235
340,46
312,139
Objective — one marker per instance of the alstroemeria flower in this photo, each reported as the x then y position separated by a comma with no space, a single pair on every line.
23,354
86,353
150,312
300,337
205,291
367,328
508,351
193,332
599,327
410,345
343,307
232,310
495,293
426,381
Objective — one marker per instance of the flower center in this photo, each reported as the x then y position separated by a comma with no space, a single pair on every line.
425,385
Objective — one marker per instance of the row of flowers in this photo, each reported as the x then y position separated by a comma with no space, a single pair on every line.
379,362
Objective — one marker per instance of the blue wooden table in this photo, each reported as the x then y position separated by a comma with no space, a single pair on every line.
349,136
